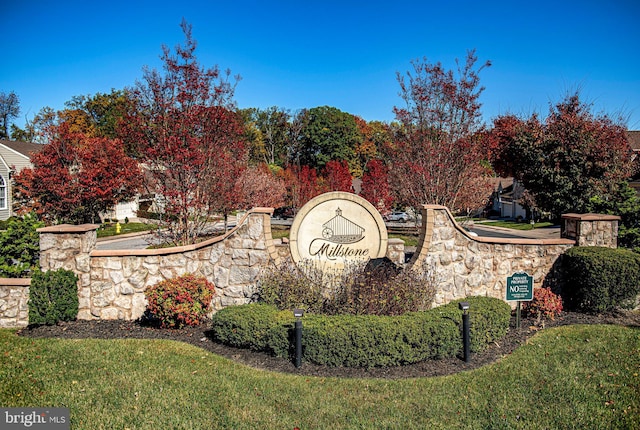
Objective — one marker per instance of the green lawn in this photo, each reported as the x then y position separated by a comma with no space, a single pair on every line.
408,239
582,377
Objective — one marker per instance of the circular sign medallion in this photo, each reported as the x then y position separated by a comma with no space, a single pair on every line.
335,228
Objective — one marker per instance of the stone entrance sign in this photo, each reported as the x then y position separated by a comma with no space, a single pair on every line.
335,228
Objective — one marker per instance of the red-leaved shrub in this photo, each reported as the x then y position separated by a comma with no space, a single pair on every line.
180,301
545,303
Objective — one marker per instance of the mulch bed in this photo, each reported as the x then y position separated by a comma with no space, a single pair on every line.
200,336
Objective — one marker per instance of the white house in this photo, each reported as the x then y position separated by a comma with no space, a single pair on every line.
14,156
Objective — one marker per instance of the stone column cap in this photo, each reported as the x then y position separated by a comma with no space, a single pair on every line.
591,217
68,228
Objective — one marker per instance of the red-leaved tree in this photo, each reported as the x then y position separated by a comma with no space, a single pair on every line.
439,150
190,139
258,186
302,184
75,178
568,159
375,186
337,177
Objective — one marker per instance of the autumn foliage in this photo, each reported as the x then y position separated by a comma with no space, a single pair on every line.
545,304
191,141
75,178
439,155
258,186
302,184
337,177
375,186
180,301
566,160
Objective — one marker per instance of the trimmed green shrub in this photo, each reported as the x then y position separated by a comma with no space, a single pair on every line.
364,340
53,297
489,320
600,279
250,326
371,340
180,301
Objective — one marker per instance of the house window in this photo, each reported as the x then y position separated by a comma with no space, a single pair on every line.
3,193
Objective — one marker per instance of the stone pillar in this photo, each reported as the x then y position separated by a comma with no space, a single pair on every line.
14,295
591,229
68,247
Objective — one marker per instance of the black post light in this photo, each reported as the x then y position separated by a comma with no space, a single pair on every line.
466,339
298,313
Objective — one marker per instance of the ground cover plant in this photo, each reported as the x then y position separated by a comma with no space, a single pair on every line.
579,376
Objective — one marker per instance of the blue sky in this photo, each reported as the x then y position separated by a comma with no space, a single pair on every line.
302,54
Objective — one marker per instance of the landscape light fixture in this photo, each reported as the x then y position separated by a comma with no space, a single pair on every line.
298,314
464,307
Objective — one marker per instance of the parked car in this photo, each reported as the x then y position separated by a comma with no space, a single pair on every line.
397,217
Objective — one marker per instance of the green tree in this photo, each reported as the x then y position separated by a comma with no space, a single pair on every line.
104,111
329,134
295,136
566,161
267,130
625,203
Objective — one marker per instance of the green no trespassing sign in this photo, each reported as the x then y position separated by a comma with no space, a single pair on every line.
520,287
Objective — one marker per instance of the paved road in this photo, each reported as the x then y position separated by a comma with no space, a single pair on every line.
484,230
135,242
143,240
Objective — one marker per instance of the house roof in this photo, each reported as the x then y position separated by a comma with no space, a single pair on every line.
634,140
22,148
501,182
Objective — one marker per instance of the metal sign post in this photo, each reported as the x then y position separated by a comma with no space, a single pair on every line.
519,288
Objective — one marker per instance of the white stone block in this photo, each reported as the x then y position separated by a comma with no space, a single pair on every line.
123,302
116,276
138,305
114,263
109,314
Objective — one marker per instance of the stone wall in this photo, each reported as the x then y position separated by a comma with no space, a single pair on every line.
112,283
14,295
466,265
